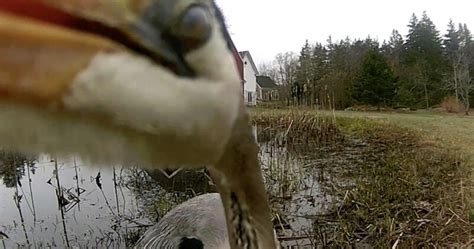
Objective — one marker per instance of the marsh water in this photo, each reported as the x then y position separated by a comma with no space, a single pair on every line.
58,202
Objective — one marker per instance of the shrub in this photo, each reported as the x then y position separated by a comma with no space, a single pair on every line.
453,105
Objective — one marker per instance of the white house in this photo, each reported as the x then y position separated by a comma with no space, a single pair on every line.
250,78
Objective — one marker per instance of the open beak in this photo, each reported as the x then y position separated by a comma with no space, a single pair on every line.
98,67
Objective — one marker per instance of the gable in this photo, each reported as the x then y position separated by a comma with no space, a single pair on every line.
246,55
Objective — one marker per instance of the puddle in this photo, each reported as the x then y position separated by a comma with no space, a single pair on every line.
103,212
94,211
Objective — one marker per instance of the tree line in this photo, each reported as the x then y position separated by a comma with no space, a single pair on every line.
416,71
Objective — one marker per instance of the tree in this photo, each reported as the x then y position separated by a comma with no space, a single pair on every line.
452,45
319,62
348,71
393,49
375,80
344,61
423,65
465,83
267,69
458,48
304,75
286,68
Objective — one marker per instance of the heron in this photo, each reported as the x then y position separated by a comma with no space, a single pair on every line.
196,223
144,82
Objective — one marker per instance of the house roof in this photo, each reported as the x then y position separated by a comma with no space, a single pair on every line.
247,53
266,82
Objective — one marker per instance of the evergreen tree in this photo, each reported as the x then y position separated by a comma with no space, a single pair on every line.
412,35
337,83
375,80
465,59
451,41
452,45
319,60
423,65
348,71
394,48
304,77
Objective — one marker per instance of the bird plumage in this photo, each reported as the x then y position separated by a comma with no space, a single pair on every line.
201,218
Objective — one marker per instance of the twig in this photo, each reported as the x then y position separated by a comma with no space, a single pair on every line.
289,127
99,184
397,241
461,219
60,196
116,192
17,202
77,184
31,192
290,238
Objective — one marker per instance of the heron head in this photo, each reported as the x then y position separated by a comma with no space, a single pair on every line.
154,78
144,82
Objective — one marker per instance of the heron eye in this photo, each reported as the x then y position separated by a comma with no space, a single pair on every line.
192,29
191,243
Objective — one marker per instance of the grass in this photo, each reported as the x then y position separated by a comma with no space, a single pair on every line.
451,131
412,188
411,193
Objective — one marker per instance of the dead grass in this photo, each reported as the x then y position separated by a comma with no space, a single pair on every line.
452,105
298,128
412,188
410,193
450,131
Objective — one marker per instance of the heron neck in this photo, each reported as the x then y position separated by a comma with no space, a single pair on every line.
239,180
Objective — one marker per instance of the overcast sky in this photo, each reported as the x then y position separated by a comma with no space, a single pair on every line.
267,27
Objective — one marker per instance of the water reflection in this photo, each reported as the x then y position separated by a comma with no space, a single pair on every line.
60,203
295,189
183,180
12,167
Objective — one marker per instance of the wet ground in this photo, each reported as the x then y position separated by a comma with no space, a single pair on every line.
89,209
110,207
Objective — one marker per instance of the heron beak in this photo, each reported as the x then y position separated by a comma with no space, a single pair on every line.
34,24
106,66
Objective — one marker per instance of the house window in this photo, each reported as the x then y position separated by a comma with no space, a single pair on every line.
249,97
